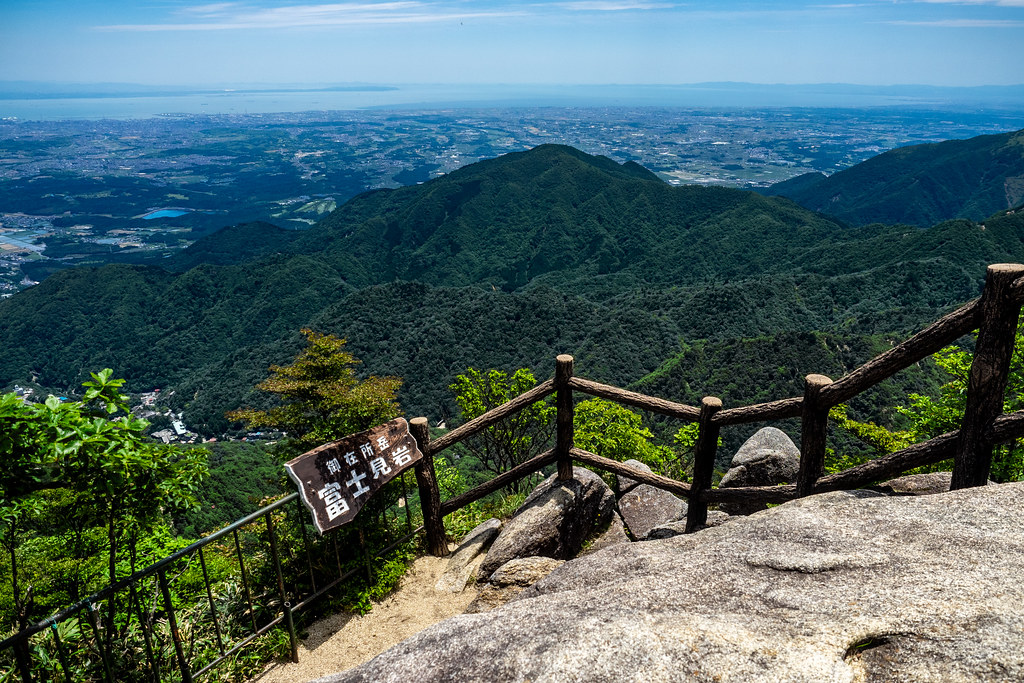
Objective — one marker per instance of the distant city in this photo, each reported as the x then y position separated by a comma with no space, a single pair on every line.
88,192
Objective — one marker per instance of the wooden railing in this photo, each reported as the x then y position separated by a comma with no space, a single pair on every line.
995,315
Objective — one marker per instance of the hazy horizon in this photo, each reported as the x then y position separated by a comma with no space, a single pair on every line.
41,101
180,43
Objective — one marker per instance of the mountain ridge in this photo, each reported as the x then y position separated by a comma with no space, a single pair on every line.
504,263
920,184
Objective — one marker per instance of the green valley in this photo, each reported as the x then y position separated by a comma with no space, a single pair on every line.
505,263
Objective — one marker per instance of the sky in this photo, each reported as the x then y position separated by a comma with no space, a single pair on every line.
224,44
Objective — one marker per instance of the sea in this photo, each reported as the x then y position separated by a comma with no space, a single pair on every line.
136,105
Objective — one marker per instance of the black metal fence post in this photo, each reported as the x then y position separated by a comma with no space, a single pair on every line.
213,605
94,621
172,622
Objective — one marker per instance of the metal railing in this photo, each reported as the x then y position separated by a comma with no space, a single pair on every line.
995,315
300,571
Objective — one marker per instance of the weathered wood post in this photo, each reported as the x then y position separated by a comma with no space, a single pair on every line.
430,493
564,415
813,433
989,373
703,463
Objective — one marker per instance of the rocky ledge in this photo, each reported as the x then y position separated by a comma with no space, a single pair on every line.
836,587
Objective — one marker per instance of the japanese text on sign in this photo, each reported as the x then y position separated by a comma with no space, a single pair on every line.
337,479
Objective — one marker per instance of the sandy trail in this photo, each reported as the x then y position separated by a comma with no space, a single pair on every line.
345,640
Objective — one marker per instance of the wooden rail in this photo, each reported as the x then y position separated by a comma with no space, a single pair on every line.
642,476
478,424
523,469
995,314
631,398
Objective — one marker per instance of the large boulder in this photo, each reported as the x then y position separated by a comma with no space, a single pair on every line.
768,458
643,506
464,561
836,587
553,521
646,507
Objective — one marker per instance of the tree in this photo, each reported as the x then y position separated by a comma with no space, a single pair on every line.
513,440
70,468
321,397
928,416
613,431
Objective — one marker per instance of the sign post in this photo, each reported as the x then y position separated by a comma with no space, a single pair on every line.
337,479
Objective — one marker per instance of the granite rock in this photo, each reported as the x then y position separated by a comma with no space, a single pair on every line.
462,562
553,521
835,587
645,507
767,458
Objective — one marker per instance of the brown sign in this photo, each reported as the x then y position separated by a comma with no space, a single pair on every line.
337,479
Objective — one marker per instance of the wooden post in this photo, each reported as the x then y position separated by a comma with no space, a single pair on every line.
989,373
563,418
703,463
430,493
813,432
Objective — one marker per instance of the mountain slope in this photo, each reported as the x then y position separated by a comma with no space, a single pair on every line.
518,259
506,221
921,184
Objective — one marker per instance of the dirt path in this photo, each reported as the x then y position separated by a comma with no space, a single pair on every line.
346,640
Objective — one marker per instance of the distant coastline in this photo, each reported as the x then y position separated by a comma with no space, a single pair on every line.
43,92
51,102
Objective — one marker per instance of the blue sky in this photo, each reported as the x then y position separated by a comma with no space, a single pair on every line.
178,42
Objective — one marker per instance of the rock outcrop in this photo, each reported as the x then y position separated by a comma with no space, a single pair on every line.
613,535
767,458
835,587
919,484
677,528
644,507
510,579
553,521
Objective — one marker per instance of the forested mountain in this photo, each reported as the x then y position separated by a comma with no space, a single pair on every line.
921,184
507,263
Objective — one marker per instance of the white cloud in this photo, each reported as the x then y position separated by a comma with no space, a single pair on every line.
613,5
213,8
234,16
962,23
998,3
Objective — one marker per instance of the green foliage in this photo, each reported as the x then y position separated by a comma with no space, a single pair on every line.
921,185
386,578
518,259
242,476
84,501
450,479
685,440
513,440
931,416
879,440
78,445
322,400
79,482
613,431
464,520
